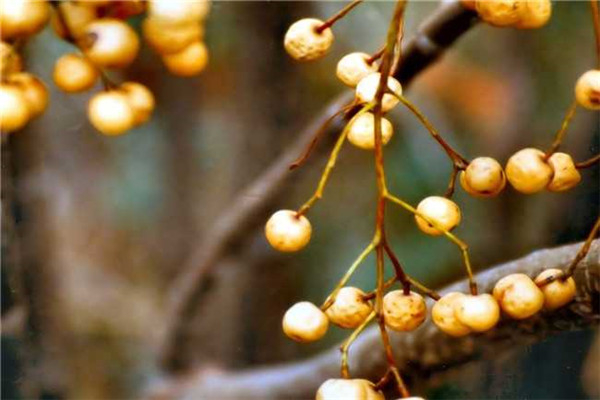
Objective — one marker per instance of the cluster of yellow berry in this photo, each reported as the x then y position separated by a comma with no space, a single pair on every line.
521,14
98,29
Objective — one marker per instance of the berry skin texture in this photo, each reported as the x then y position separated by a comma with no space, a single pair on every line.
305,322
480,313
169,39
179,11
111,113
440,210
189,62
33,89
518,296
443,315
587,90
483,177
348,389
15,110
141,100
20,18
362,131
499,12
556,293
74,73
303,43
349,309
77,16
287,232
527,171
534,14
565,175
10,60
404,312
353,67
110,43
367,88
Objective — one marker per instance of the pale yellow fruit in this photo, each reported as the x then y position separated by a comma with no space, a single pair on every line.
353,67
141,100
565,176
404,312
33,89
189,62
483,177
111,113
499,12
480,313
527,171
110,43
76,15
558,292
443,315
179,11
305,322
518,296
14,110
10,60
441,211
349,308
288,232
587,90
534,14
348,389
20,18
367,88
361,132
168,39
74,73
304,43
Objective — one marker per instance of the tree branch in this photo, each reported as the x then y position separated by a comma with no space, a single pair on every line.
421,353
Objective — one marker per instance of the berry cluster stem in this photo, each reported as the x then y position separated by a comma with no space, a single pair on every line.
339,15
560,134
588,163
346,345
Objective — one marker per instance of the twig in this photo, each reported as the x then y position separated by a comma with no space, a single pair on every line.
588,163
339,15
560,134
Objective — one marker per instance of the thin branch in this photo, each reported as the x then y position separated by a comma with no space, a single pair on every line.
560,134
339,15
588,163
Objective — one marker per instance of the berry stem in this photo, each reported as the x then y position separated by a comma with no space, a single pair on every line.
583,251
339,15
376,56
346,345
596,19
560,134
588,163
452,182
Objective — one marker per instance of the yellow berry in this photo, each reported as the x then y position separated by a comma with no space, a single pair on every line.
566,176
483,177
74,73
558,292
527,171
367,88
20,18
587,90
353,67
534,14
10,60
361,132
179,11
499,12
304,43
440,210
33,89
141,100
348,389
168,39
305,322
111,113
443,315
189,62
14,108
480,313
110,43
403,312
349,308
76,15
288,232
518,296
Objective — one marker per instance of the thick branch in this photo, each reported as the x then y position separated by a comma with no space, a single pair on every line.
422,352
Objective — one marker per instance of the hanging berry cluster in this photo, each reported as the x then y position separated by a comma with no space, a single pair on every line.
529,170
104,41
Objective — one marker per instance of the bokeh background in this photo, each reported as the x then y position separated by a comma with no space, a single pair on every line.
96,228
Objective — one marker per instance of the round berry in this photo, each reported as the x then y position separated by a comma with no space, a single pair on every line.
15,110
361,132
367,88
10,60
442,211
141,100
304,43
527,171
349,308
443,315
179,11
480,313
110,43
76,15
348,389
499,12
534,14
305,322
403,312
587,90
288,232
518,296
189,62
74,73
566,176
483,177
111,113
558,292
33,89
353,67
167,39
20,18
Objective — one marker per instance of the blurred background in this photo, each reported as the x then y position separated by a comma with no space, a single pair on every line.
96,228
